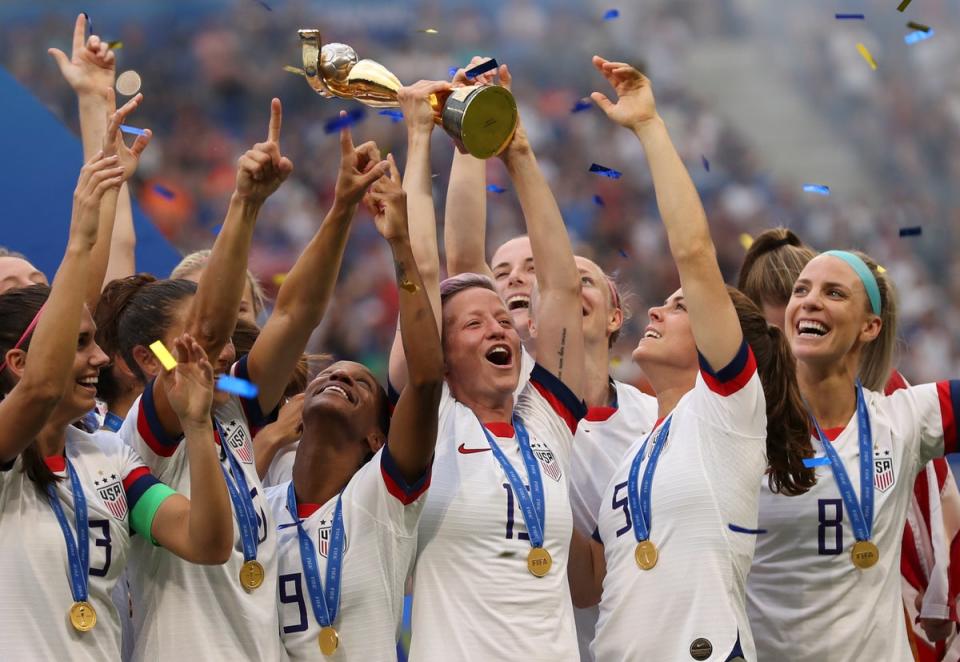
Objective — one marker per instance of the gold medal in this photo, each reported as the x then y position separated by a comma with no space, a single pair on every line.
251,575
646,555
329,640
539,561
864,554
82,616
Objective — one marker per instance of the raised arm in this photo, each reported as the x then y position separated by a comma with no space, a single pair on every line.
44,370
465,213
307,289
418,185
713,318
413,430
558,310
90,71
198,529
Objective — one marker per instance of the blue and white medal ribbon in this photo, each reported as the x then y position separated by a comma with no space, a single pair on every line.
325,597
245,512
864,553
532,504
82,614
646,553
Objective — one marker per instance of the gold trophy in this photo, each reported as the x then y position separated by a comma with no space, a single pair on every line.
481,119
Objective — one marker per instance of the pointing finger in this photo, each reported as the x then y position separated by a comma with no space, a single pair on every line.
79,32
276,119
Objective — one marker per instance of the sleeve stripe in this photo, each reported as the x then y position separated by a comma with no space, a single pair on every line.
596,535
393,395
949,394
560,398
405,493
142,514
734,376
149,427
256,419
137,487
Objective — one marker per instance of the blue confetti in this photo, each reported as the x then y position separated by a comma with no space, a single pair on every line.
811,462
816,188
848,17
482,68
581,106
706,164
611,14
216,229
337,123
394,114
740,529
453,71
919,35
623,254
132,130
237,386
163,191
605,171
914,231
264,5
493,188
598,201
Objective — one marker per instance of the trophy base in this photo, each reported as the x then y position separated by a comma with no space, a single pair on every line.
481,119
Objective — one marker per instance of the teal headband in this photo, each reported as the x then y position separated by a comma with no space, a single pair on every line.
866,276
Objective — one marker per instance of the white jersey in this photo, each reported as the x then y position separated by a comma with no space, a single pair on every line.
474,598
281,467
705,483
380,514
807,600
184,611
34,567
603,436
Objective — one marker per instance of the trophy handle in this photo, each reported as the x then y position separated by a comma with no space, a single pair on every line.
310,48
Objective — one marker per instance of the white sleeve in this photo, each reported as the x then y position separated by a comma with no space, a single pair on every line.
142,431
381,491
925,416
548,405
731,398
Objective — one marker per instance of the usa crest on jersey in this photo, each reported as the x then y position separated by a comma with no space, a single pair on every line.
237,440
547,459
111,492
883,476
323,538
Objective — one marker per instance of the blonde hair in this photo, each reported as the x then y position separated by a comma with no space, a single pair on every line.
772,265
193,262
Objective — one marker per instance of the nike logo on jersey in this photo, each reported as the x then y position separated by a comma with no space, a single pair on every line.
466,451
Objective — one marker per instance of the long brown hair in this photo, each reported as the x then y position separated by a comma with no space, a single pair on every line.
18,307
772,265
788,428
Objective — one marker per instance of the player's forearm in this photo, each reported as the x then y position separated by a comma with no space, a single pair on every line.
465,217
123,244
210,523
93,122
421,339
418,185
100,256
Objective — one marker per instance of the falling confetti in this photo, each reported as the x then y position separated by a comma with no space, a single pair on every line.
881,270
819,189
164,192
598,201
706,164
605,171
623,254
394,114
163,354
746,241
452,71
237,386
279,278
264,5
493,188
848,17
581,105
919,35
482,68
811,462
294,70
866,56
428,31
611,14
914,231
132,130
115,45
918,26
903,5
337,123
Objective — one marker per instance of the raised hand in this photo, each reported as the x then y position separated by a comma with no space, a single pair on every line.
190,389
262,169
359,168
387,202
91,68
97,176
635,105
415,104
113,142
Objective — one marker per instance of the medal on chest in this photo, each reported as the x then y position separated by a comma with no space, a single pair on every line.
639,493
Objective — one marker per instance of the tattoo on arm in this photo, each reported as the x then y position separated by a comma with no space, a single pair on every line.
403,282
563,347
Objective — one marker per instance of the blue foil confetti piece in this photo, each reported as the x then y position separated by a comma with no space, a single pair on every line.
914,231
706,164
848,17
623,254
482,68
598,201
493,188
394,114
605,171
819,189
132,130
337,123
611,14
581,106
452,71
811,462
264,5
919,35
740,529
237,386
216,229
163,191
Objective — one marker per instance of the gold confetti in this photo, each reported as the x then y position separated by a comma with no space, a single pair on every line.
866,56
881,269
409,286
429,31
293,70
114,45
162,353
615,361
128,83
279,278
746,241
